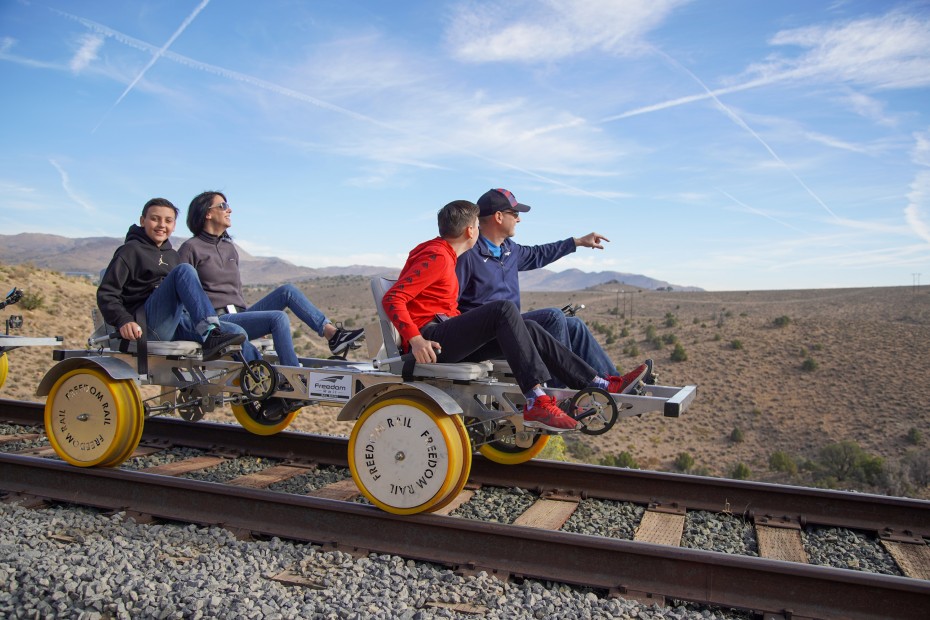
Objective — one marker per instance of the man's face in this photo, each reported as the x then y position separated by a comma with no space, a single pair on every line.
159,223
508,221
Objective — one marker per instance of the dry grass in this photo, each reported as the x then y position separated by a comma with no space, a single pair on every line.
870,386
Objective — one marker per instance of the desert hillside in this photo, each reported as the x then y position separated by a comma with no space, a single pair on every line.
788,372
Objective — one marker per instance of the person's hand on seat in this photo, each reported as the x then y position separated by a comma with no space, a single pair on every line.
424,351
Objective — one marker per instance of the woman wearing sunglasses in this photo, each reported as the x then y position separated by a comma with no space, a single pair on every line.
214,256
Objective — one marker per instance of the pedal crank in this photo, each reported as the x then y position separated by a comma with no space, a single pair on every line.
258,380
595,409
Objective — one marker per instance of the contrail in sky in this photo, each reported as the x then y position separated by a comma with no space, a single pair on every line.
739,121
66,185
762,213
288,92
155,57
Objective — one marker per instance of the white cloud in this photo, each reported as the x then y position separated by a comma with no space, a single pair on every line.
917,211
891,51
87,53
870,108
530,31
69,190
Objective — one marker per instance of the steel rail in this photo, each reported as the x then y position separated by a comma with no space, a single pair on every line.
759,500
618,565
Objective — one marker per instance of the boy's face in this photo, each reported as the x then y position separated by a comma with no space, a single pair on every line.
159,223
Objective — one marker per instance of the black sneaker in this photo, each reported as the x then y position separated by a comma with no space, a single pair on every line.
217,340
344,338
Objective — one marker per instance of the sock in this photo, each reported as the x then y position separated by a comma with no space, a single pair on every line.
600,382
532,395
210,328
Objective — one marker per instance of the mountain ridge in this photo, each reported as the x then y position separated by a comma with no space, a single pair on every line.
90,255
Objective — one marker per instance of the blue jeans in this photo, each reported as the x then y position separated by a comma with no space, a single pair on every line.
257,323
289,296
574,334
179,309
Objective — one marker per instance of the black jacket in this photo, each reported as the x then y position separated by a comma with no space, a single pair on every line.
137,268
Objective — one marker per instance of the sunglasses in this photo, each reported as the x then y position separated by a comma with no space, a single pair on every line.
223,205
511,212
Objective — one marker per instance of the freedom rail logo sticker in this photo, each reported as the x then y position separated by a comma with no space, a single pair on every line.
330,387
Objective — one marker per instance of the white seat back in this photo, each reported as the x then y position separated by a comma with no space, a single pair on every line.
463,371
389,334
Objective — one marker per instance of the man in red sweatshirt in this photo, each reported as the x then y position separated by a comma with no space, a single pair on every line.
423,307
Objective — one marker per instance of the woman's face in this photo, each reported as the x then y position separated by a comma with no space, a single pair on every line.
219,215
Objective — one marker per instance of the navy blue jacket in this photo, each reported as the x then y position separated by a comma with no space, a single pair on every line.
484,278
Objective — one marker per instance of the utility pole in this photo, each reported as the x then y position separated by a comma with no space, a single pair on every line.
916,280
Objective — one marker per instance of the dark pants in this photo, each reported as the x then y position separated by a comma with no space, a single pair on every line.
496,330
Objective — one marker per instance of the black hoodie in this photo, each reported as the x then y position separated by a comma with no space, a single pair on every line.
137,268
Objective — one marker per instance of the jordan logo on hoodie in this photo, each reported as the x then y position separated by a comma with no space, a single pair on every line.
161,260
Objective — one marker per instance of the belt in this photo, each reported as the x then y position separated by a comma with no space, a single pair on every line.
230,309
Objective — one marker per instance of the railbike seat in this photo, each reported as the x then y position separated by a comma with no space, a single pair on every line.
390,348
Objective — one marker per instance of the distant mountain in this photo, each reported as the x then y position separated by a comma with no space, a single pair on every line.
574,279
90,255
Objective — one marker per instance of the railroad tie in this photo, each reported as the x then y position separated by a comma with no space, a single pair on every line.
780,540
913,558
345,490
144,451
661,527
185,466
548,513
11,438
463,497
267,477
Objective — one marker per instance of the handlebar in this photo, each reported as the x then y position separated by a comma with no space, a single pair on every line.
572,309
11,298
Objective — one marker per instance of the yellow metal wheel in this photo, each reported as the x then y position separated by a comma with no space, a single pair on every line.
510,447
466,466
91,419
256,417
134,431
407,455
4,368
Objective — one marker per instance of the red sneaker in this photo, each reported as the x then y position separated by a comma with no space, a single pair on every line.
622,385
546,414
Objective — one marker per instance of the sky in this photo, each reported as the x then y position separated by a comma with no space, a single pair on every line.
723,144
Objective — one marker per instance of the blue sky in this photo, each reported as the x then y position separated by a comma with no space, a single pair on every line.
726,144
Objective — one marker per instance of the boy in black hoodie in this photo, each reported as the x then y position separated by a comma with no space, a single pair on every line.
146,283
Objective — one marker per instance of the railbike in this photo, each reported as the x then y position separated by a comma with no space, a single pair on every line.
10,342
415,429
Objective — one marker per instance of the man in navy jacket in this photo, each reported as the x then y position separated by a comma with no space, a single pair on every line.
490,271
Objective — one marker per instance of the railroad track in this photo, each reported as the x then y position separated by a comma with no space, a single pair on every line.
650,567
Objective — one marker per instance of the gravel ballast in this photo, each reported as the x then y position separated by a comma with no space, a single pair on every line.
68,562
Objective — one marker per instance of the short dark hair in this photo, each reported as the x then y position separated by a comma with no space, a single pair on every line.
455,217
159,202
197,211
